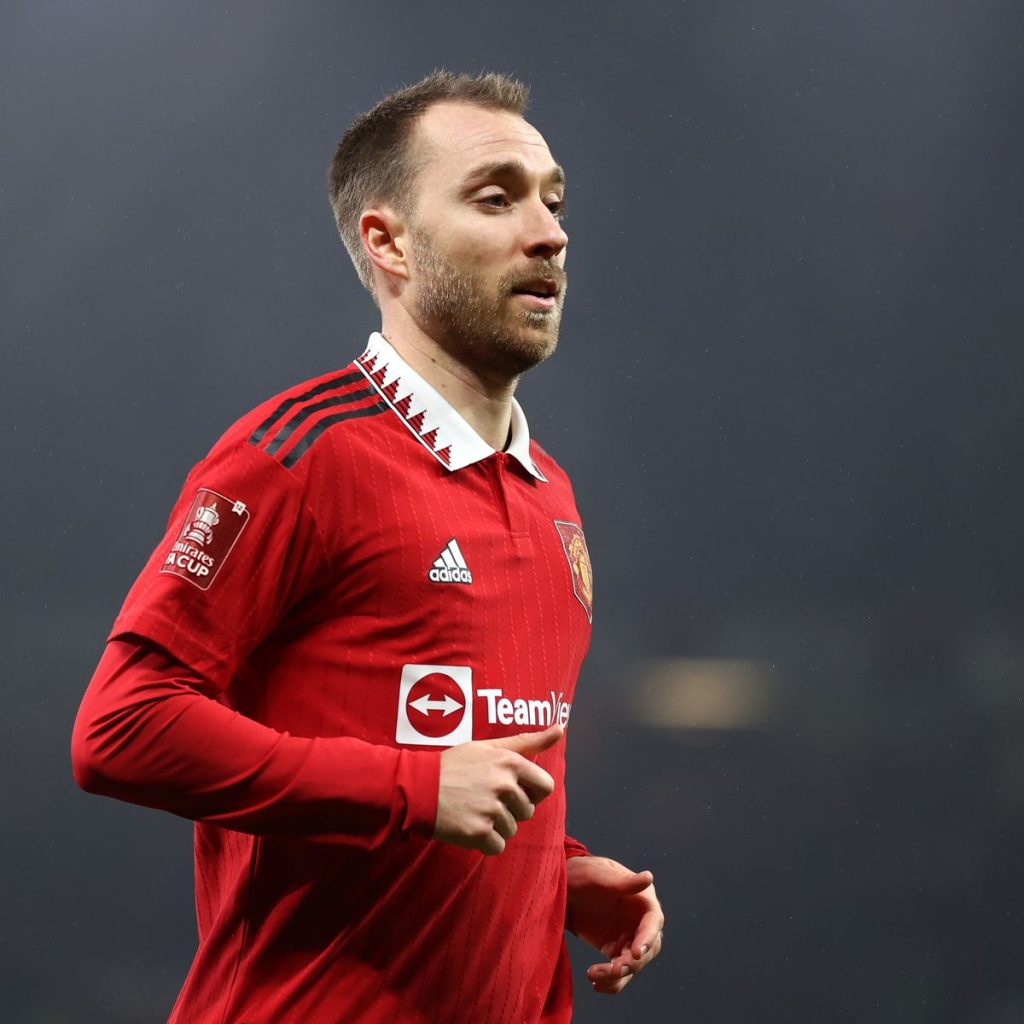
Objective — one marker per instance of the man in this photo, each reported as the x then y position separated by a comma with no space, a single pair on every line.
352,657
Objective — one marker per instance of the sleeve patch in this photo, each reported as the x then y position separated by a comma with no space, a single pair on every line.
210,530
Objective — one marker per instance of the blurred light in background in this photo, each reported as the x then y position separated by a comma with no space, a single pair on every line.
706,693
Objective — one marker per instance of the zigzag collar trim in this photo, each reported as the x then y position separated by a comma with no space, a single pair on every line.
430,418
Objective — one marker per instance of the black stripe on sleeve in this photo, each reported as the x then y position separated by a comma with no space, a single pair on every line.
307,440
342,380
306,411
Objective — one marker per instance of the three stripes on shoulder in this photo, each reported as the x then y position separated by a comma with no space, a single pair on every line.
293,435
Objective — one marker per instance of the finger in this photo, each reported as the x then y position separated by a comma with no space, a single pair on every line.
609,979
618,947
490,844
605,969
637,963
520,806
652,951
612,988
607,972
649,928
531,743
504,824
633,883
536,782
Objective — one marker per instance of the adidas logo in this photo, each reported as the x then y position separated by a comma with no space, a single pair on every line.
450,566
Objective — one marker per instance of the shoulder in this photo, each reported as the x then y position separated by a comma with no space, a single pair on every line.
548,466
284,428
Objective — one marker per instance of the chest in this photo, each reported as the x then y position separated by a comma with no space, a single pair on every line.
457,605
466,550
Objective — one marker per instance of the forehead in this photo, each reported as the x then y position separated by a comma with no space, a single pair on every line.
453,138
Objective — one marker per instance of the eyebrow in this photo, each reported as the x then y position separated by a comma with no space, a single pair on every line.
513,168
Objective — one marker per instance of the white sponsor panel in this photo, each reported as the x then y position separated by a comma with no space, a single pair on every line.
435,705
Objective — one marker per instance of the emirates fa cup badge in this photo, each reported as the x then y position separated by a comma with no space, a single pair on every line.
206,538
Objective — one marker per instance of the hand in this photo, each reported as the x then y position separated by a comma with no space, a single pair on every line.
616,911
487,786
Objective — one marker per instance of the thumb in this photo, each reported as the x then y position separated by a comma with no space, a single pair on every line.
634,882
528,743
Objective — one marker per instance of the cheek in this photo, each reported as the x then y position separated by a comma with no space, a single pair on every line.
484,267
480,240
482,255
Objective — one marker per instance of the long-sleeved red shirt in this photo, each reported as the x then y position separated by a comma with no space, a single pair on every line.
350,582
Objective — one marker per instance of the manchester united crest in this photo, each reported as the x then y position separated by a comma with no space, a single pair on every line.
575,546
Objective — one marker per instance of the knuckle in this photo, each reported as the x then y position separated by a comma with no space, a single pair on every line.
506,785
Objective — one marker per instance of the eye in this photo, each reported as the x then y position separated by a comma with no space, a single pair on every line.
496,200
557,208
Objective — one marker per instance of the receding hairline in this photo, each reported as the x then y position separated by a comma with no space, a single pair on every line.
419,146
384,150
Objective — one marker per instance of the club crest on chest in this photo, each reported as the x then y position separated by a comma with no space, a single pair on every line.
574,544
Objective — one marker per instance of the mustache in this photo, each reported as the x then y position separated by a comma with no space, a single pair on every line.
517,279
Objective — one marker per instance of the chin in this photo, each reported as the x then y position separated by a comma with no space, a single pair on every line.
527,348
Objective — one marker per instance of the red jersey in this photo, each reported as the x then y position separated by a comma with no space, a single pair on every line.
351,581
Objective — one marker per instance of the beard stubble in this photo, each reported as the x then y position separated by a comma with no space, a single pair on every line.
476,327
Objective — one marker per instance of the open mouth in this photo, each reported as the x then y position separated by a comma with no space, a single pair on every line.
535,300
541,288
540,293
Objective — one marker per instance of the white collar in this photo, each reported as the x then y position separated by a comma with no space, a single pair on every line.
430,418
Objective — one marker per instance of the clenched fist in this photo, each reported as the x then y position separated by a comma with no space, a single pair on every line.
487,786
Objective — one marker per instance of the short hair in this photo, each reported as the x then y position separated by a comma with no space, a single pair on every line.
372,163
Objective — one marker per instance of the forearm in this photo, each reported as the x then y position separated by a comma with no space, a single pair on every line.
146,733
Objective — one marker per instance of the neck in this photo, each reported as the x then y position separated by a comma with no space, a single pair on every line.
483,401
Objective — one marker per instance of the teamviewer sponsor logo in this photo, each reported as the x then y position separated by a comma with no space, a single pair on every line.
502,710
450,566
435,705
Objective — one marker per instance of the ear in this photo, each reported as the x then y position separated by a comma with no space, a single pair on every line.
384,239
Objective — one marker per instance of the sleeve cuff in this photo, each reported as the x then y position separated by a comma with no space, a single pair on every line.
574,848
417,781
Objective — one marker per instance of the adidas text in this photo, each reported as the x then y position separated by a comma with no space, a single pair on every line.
447,575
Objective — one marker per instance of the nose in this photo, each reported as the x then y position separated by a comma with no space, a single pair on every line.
545,236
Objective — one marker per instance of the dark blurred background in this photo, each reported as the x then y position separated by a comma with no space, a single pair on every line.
788,393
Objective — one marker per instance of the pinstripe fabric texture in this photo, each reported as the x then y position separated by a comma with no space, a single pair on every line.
325,622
